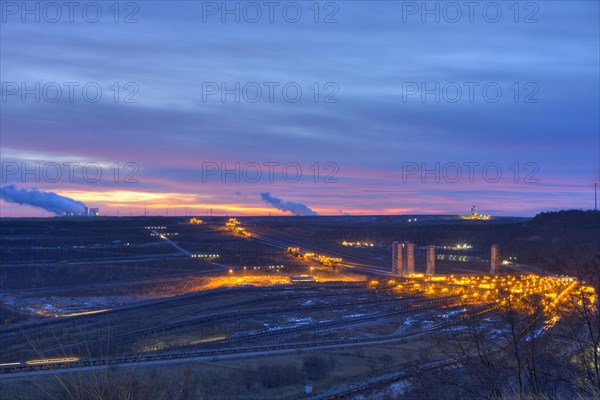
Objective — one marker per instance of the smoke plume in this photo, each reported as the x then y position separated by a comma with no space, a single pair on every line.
49,201
294,208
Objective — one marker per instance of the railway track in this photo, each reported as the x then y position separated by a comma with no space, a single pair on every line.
361,264
330,324
283,241
144,333
57,367
22,329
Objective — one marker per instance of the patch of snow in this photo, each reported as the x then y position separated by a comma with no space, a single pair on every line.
354,315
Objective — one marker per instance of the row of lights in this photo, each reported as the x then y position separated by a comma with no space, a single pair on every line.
463,246
357,244
451,257
255,268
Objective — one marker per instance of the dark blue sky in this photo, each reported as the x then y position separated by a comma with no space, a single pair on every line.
370,126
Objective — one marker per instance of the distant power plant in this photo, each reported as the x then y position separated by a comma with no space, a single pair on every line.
87,212
403,259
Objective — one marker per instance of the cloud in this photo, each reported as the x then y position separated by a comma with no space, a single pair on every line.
49,201
294,208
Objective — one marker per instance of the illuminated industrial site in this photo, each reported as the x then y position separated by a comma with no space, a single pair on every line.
300,200
229,291
525,293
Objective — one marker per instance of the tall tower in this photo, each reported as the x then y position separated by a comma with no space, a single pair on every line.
403,258
397,258
495,256
430,260
404,270
410,258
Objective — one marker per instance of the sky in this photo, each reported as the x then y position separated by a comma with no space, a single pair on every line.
343,107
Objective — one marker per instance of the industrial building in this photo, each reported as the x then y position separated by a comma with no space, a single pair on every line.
430,260
92,212
87,212
403,259
494,259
